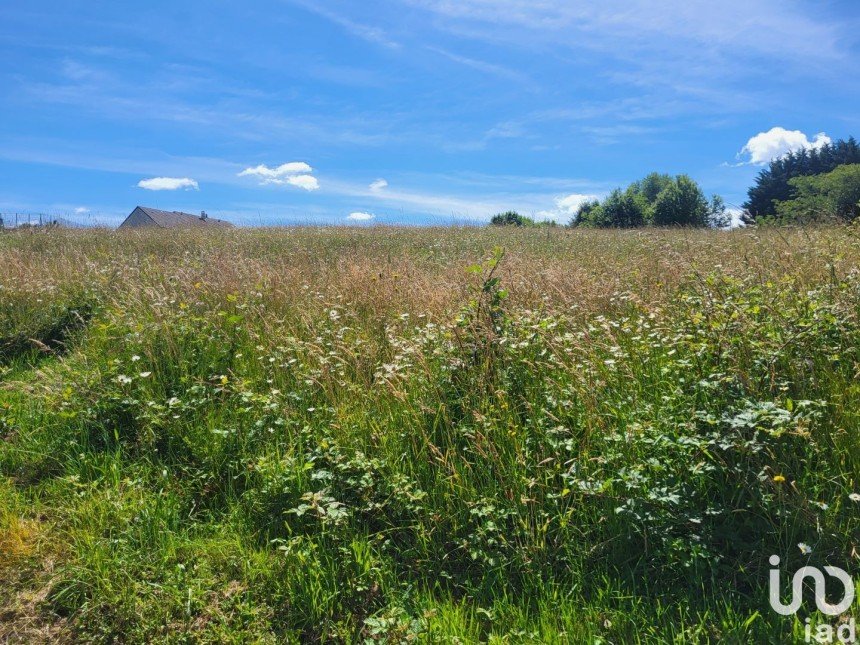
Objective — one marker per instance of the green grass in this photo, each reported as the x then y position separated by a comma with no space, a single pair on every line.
410,435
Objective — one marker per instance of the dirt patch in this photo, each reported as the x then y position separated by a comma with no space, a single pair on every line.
26,577
23,614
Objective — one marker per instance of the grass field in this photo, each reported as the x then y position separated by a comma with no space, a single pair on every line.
428,435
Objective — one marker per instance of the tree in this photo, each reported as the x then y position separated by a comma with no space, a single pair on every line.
587,214
830,196
717,215
682,203
656,199
651,186
511,218
773,184
621,210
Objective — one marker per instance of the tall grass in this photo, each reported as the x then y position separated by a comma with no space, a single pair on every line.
436,435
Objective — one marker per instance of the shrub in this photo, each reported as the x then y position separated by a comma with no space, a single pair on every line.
833,196
511,218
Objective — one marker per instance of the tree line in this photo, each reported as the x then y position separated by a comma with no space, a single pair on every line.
656,200
805,186
808,185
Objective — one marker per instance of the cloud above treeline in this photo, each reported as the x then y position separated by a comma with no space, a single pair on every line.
360,217
294,173
565,208
168,183
778,142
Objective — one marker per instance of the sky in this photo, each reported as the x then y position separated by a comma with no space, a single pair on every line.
280,112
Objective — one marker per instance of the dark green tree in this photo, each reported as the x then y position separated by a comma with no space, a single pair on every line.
773,184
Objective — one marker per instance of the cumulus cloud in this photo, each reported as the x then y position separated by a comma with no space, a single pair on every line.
778,142
360,217
565,208
301,181
81,210
294,173
168,183
378,186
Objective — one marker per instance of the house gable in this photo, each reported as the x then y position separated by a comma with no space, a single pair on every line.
138,218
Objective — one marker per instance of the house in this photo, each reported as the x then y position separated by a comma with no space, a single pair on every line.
143,216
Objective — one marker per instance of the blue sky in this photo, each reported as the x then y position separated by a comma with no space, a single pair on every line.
407,111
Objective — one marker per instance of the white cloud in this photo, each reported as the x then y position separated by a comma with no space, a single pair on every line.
778,142
301,181
565,208
168,183
571,203
360,217
263,171
294,173
378,186
80,210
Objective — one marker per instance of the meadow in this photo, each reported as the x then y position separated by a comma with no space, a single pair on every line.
424,435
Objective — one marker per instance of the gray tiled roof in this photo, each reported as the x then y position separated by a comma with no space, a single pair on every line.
175,219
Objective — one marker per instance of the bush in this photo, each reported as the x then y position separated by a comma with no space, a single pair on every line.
511,218
831,196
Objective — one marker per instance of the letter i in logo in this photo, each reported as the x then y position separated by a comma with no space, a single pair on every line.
775,601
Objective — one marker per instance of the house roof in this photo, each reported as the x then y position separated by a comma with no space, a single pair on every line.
176,219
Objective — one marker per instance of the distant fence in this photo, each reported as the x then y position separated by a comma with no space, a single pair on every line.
12,220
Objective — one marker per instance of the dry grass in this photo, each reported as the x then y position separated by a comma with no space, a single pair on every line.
417,270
